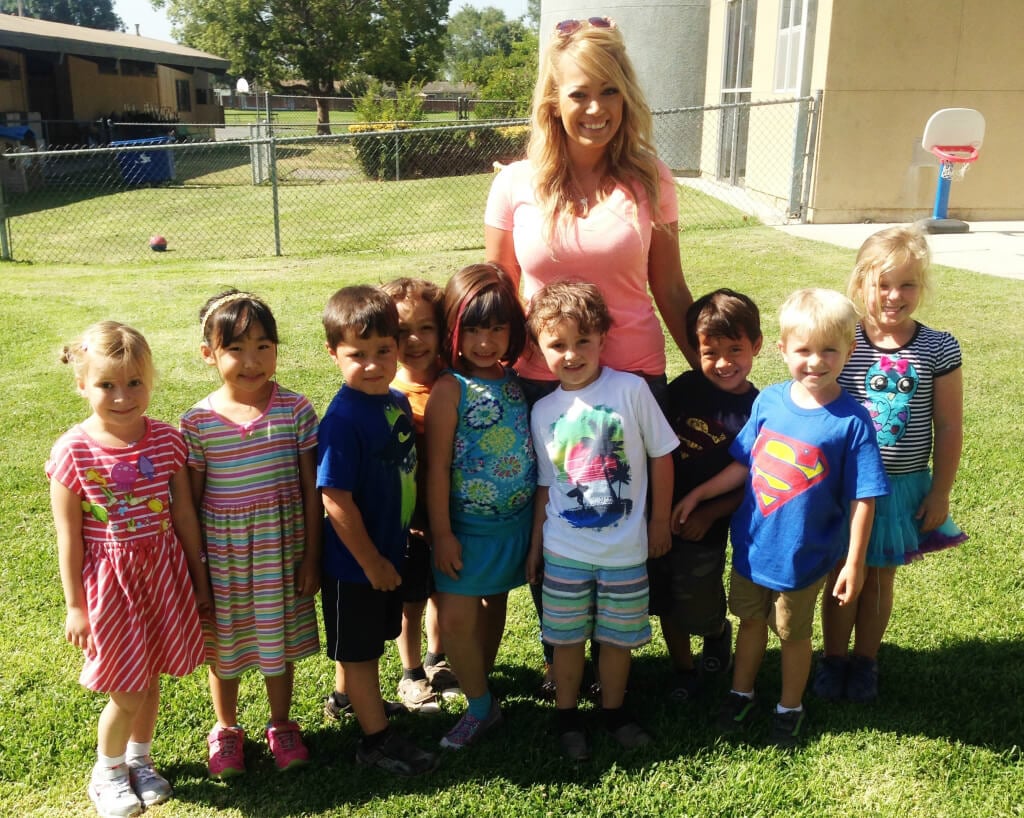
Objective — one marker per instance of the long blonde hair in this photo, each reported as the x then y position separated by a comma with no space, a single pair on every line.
631,158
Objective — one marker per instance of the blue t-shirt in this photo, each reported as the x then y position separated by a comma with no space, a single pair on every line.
806,466
367,447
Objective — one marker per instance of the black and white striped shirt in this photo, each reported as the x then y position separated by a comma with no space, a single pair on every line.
897,386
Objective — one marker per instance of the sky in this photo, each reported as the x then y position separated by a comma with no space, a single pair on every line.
153,23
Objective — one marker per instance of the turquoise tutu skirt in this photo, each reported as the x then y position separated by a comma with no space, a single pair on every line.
896,538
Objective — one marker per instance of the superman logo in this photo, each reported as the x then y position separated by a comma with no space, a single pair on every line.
784,468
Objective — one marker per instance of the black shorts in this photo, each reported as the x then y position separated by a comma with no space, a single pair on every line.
687,585
417,571
359,621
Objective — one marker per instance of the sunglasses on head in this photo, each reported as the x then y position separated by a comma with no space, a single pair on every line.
567,28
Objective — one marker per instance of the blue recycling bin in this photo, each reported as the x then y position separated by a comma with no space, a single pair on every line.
145,167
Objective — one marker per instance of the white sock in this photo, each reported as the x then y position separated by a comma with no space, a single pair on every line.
104,763
746,695
780,709
138,749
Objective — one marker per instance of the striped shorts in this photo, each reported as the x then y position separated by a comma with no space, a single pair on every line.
583,601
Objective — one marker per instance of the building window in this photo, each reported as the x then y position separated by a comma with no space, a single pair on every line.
184,95
202,96
106,65
789,54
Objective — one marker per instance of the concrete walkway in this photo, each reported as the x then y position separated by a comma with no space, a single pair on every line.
993,248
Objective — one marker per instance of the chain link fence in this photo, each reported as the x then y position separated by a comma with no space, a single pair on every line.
401,187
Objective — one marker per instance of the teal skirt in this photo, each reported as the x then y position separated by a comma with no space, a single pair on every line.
896,538
493,554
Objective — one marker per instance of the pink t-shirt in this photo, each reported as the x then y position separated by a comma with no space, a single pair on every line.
609,248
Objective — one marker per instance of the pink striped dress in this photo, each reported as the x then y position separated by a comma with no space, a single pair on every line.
254,532
139,596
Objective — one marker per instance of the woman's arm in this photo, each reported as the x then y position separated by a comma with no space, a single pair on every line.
440,420
948,427
500,249
668,286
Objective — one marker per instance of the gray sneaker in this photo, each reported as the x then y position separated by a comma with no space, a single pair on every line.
398,755
788,728
418,696
443,679
111,792
151,787
735,712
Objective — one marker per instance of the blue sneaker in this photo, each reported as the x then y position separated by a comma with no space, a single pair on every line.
862,680
830,678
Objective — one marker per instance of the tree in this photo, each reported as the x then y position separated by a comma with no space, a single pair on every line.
91,13
511,78
478,41
321,42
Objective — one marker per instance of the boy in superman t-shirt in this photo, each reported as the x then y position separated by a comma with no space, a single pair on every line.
811,468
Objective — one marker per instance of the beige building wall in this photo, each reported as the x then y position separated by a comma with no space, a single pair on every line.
97,95
884,68
12,91
890,66
206,113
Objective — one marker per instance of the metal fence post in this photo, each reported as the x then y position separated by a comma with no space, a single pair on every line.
398,153
272,150
812,139
5,237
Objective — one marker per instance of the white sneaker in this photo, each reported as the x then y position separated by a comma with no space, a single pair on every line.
151,787
110,789
418,696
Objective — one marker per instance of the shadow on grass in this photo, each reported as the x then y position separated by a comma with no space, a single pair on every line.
965,693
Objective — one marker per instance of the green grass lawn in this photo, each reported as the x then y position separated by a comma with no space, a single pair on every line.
945,739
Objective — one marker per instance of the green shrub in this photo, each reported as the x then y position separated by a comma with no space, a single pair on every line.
433,153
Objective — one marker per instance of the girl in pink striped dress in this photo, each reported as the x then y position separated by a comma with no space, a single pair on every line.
252,460
127,539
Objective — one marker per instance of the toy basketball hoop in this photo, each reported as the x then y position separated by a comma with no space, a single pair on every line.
954,136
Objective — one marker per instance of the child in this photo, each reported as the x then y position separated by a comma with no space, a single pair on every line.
707,408
251,460
367,477
599,436
482,474
811,470
128,540
420,321
909,378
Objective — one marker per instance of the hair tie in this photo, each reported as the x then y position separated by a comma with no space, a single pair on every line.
221,302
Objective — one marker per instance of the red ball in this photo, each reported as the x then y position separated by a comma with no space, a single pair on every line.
157,243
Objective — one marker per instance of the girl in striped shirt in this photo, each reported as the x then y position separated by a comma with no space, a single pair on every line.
127,540
909,378
252,463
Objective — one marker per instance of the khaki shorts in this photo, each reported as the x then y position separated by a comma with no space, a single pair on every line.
789,613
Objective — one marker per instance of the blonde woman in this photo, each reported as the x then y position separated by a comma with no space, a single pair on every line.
593,202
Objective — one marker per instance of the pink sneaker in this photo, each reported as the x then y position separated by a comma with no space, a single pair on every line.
285,742
226,758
